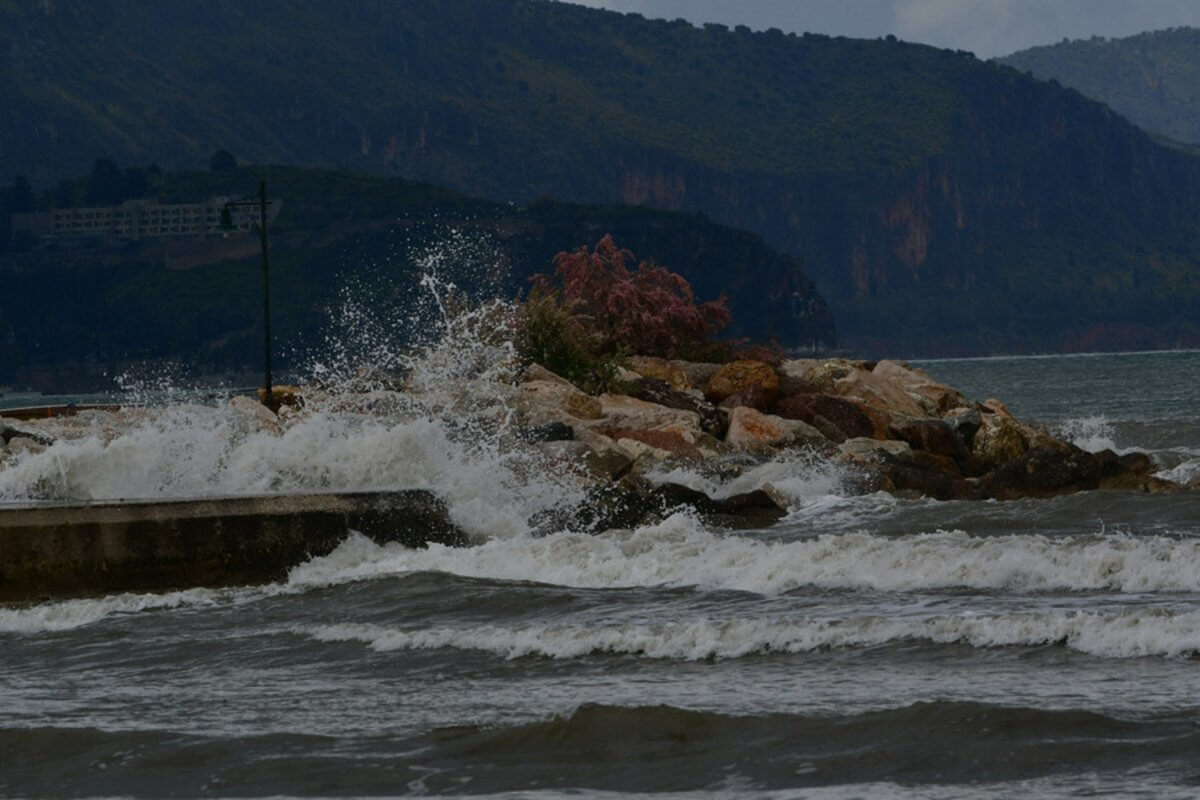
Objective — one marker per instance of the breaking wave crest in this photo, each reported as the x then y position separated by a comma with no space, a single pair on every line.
1122,635
679,552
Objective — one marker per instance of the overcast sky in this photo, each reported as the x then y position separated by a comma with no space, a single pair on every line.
987,28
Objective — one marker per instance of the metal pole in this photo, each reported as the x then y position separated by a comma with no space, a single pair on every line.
262,229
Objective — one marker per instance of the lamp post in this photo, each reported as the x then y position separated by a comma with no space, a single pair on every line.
227,222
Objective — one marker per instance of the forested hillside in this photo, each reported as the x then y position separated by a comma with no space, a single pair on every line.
1152,78
75,316
942,204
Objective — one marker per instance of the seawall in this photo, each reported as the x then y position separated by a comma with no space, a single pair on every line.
59,551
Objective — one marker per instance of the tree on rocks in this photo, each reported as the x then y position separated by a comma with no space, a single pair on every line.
647,310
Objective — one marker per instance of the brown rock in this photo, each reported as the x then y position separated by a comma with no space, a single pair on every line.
998,441
282,395
935,398
661,369
822,411
927,479
1044,472
698,373
622,412
867,449
670,442
749,509
965,422
994,406
877,393
549,400
652,390
753,430
828,429
737,375
536,372
752,396
603,458
1131,472
931,435
803,376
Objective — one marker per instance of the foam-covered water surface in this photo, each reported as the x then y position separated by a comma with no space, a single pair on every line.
863,646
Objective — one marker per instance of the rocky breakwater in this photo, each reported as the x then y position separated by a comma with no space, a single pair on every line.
890,426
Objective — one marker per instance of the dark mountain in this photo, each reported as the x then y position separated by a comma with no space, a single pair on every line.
944,205
1152,78
94,308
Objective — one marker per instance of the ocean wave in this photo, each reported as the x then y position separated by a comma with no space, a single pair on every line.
71,614
1127,634
679,552
927,750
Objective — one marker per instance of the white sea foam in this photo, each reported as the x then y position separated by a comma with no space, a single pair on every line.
1092,434
449,431
678,552
1182,464
1126,634
71,614
197,451
801,475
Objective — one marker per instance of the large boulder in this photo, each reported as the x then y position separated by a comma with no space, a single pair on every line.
738,375
1131,472
752,396
838,418
663,444
998,441
536,372
621,412
877,393
816,376
652,390
1044,472
931,435
660,369
965,422
865,450
921,477
802,376
935,398
9,433
752,430
602,457
698,373
546,400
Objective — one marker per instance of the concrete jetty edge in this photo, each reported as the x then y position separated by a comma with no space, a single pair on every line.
59,551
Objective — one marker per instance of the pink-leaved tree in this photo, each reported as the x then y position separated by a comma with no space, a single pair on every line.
647,310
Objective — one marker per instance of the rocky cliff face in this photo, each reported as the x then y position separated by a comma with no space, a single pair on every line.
940,202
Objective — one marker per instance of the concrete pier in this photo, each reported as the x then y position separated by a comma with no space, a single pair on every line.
59,551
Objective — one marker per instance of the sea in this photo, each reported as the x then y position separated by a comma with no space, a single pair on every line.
865,646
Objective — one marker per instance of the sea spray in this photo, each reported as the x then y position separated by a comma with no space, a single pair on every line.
1092,434
412,391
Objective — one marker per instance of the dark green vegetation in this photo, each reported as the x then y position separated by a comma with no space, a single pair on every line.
106,305
1152,78
944,205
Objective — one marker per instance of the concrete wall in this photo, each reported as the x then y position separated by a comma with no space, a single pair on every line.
50,552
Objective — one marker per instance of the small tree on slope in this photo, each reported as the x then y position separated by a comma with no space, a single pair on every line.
648,310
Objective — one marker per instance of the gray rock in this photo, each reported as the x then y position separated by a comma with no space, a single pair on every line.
8,434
